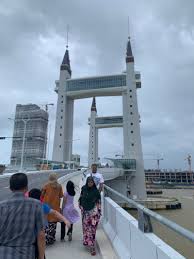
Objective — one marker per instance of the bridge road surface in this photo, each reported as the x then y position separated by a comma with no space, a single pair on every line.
34,181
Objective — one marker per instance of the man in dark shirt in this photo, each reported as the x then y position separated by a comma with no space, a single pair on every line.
21,223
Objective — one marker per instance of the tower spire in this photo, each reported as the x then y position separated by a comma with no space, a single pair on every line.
93,107
67,36
129,53
66,61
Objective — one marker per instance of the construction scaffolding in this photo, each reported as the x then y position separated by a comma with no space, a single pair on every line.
30,135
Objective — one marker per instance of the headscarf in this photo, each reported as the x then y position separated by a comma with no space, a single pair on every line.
53,180
90,179
90,196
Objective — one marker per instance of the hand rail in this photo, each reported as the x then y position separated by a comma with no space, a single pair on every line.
144,215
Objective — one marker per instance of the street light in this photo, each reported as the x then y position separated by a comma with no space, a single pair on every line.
25,121
45,142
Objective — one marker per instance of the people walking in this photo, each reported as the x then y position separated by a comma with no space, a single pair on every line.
52,193
68,210
90,205
47,210
97,176
21,223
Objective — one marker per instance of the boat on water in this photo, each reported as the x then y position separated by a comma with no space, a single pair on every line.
160,182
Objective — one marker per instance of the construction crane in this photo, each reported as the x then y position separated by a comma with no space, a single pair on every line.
158,159
47,105
158,162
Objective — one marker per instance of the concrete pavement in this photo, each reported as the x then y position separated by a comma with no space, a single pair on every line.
75,249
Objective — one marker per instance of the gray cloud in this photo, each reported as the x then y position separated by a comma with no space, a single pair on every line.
33,43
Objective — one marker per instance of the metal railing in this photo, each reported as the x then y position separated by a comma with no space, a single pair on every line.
145,215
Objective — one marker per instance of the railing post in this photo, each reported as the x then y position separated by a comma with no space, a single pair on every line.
102,203
144,222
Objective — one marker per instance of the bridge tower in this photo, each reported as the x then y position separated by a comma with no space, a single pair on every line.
124,85
131,128
93,136
62,148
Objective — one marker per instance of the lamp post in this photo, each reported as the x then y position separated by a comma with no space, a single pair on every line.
49,134
45,142
25,121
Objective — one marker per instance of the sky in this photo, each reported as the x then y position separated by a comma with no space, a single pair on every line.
32,45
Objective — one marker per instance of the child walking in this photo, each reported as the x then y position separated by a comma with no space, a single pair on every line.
68,210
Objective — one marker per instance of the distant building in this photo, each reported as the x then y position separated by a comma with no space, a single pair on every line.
177,177
36,120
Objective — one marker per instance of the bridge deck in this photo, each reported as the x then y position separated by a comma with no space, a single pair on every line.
75,249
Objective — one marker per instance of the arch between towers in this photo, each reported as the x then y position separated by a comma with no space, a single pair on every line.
63,141
71,97
62,149
64,154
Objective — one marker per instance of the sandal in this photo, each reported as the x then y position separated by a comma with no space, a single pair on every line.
70,237
92,251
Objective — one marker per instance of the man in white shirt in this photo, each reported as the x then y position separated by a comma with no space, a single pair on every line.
98,178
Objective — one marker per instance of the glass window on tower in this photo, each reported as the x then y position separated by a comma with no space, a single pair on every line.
96,83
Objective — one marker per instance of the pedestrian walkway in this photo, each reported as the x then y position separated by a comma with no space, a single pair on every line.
75,249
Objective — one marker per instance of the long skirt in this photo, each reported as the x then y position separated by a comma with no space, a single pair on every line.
90,220
50,232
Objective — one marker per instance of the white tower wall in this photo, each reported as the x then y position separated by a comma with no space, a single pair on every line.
126,140
96,133
132,136
69,126
62,148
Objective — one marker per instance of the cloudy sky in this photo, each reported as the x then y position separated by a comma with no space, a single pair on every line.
32,44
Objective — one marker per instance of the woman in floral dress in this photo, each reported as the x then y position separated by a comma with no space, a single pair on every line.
89,203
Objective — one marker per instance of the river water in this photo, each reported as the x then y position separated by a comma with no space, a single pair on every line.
183,217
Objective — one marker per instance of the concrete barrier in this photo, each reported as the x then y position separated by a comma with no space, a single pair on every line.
64,178
8,175
128,241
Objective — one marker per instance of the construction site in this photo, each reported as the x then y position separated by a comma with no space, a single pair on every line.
29,136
